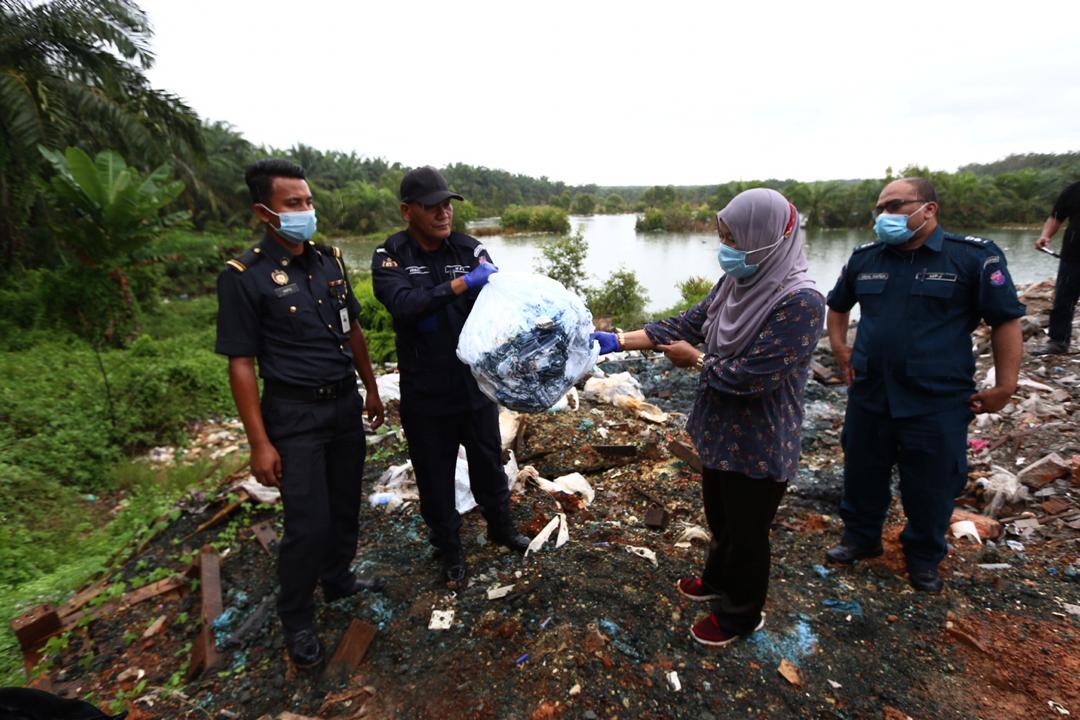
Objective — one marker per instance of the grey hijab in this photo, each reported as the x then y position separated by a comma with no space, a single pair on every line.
757,219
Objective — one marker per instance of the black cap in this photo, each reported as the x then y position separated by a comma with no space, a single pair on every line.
426,186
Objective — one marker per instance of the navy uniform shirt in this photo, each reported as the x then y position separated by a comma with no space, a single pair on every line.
1067,207
414,285
912,352
291,312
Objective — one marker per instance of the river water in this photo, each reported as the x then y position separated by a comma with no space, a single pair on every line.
661,260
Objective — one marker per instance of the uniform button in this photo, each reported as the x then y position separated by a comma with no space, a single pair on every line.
341,347
284,262
292,308
258,250
329,327
309,277
320,302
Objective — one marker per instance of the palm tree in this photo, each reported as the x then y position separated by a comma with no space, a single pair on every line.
72,72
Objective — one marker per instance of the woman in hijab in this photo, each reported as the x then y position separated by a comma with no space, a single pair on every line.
759,326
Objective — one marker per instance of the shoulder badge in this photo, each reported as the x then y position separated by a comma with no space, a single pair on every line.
969,239
866,246
246,259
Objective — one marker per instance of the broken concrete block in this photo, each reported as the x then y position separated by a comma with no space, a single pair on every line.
988,527
657,517
1045,471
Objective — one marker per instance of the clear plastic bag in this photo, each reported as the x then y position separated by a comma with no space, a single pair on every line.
527,341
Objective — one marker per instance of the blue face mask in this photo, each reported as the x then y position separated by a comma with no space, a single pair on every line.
733,263
892,229
296,227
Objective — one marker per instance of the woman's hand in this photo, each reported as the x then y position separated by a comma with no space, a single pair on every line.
680,353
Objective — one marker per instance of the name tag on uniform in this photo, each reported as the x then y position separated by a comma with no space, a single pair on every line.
939,276
872,276
456,270
286,290
343,313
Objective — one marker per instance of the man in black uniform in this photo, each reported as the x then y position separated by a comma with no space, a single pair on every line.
1067,287
428,277
287,304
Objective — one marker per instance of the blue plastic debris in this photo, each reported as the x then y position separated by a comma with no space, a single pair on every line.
610,627
585,424
848,607
772,646
543,625
821,570
521,659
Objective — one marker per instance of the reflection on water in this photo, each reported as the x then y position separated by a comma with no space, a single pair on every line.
663,259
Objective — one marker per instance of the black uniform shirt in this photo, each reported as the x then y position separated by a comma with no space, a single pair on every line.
291,312
1067,207
912,352
414,285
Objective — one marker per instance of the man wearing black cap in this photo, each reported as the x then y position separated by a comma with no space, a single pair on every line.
428,277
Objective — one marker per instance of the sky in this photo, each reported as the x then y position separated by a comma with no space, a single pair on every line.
634,93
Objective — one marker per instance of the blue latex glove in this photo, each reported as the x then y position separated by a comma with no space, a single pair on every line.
609,343
479,276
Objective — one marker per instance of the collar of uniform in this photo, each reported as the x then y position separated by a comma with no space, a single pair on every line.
282,257
936,240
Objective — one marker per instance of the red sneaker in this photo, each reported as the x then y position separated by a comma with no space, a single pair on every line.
694,589
707,631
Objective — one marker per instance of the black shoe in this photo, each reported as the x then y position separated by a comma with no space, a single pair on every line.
375,583
453,566
510,538
847,554
1052,347
304,648
925,580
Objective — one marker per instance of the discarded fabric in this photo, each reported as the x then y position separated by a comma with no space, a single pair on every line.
527,341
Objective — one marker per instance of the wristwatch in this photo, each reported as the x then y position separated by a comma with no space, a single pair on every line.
621,340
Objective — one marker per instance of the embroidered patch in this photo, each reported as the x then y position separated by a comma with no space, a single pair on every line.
872,276
992,260
997,279
389,262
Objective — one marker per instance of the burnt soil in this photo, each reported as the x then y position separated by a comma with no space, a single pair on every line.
591,630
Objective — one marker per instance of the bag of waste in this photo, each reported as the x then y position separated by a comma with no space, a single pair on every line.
527,341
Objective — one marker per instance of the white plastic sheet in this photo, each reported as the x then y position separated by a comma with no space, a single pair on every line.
397,484
527,341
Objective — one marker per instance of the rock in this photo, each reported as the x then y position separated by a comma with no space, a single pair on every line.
988,527
1045,471
790,672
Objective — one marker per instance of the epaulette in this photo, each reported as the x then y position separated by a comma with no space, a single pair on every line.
969,239
866,246
330,250
246,259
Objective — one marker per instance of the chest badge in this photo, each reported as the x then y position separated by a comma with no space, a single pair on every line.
280,277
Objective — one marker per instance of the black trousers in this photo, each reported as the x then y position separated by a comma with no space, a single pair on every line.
321,443
739,510
433,448
1066,293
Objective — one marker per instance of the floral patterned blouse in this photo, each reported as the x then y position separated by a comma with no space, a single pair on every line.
748,414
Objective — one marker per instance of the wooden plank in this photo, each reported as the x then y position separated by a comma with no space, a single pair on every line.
266,535
82,598
154,589
1054,506
685,453
351,650
33,628
219,516
616,451
657,517
204,653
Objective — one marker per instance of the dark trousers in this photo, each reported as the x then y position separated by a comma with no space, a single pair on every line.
322,450
433,448
931,452
1066,293
739,511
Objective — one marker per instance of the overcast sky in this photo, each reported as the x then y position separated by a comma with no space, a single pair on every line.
628,93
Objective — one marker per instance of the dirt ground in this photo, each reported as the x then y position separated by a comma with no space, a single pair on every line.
591,630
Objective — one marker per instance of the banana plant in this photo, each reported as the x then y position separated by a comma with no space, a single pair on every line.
105,210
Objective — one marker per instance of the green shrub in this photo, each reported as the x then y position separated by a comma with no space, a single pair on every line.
621,297
563,259
376,322
534,218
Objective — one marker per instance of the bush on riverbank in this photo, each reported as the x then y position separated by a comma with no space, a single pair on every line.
677,218
534,218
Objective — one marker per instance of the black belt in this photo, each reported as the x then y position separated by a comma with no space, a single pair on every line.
306,392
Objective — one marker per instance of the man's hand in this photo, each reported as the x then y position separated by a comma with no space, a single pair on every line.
842,355
990,401
680,353
266,464
1042,242
478,277
609,342
375,412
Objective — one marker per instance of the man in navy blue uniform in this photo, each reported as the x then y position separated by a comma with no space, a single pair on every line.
1067,286
428,277
286,305
921,292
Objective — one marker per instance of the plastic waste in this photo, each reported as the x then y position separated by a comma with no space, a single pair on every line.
965,528
691,533
397,485
1002,487
389,386
643,552
527,341
623,390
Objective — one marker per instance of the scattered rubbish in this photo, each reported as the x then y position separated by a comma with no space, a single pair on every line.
389,385
559,521
834,685
441,619
1058,707
821,570
994,566
1002,487
572,484
543,625
397,485
522,660
623,390
1045,471
351,649
657,517
691,533
155,627
673,681
527,341
790,672
965,528
1015,545
644,553
135,674
977,445
576,690
495,592
261,493
850,607
1072,609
